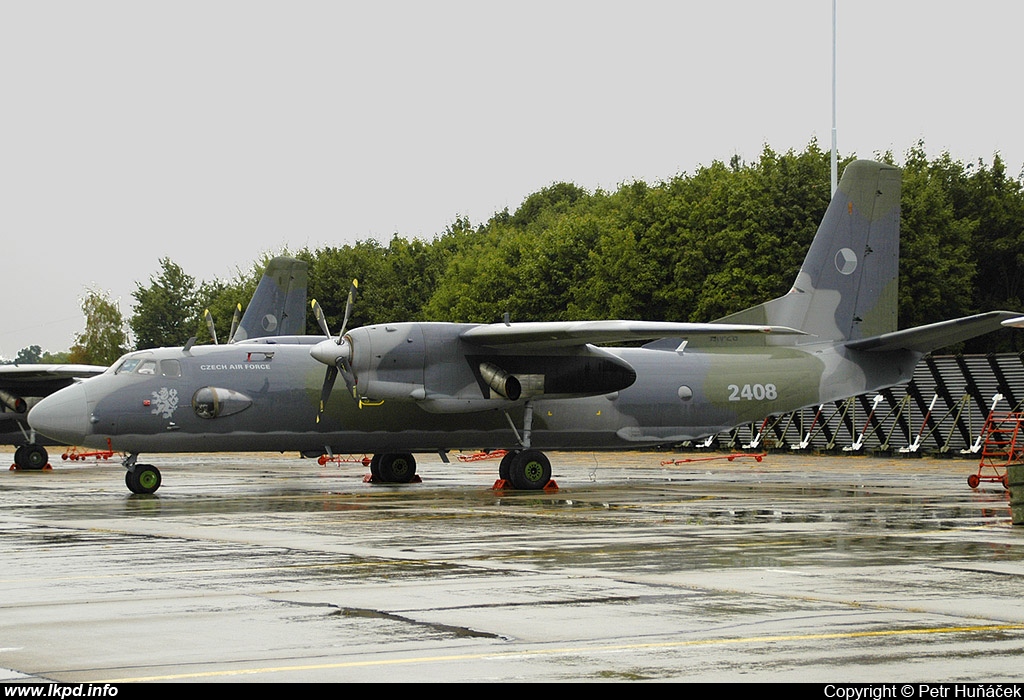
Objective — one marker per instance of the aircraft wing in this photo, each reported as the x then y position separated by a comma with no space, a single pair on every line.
65,371
31,378
925,339
570,333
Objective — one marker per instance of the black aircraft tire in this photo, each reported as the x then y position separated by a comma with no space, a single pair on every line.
31,457
397,468
530,470
145,478
375,467
505,468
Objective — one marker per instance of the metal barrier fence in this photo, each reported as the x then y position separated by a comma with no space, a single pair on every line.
941,411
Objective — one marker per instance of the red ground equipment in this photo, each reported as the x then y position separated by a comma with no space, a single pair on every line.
1002,445
732,457
480,456
77,453
343,459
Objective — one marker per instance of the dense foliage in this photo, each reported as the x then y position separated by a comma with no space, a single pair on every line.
692,248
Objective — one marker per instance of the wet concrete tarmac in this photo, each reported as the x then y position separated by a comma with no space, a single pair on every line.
274,569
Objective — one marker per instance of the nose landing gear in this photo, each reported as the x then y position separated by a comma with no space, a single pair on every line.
140,478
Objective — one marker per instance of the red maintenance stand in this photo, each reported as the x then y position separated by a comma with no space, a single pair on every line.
1002,445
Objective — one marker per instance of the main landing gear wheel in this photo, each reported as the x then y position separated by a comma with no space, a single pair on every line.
530,470
504,469
395,468
31,457
144,478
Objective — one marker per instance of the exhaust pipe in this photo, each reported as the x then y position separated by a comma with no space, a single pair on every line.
15,403
503,383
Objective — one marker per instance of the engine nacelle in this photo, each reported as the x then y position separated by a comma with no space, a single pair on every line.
388,361
431,364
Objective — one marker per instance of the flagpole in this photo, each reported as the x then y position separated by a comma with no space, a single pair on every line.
835,165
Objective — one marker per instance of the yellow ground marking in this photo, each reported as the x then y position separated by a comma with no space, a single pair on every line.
555,651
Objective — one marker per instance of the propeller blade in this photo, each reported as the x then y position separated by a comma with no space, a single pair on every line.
349,376
209,324
348,308
318,314
235,320
325,392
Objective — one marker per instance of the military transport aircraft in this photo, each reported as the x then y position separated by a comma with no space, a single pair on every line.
278,307
528,387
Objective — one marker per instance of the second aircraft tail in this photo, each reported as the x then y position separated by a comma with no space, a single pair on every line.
278,307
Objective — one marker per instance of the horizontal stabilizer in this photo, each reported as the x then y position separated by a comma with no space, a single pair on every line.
925,339
570,333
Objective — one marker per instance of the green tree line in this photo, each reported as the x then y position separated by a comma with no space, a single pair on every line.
691,248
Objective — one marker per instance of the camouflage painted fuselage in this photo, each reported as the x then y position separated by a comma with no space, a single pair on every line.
237,398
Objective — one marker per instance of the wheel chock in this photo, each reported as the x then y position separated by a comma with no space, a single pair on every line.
502,484
368,479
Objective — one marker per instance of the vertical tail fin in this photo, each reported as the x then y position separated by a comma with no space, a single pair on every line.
847,286
278,306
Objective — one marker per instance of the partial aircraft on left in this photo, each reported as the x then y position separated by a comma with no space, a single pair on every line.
20,387
278,307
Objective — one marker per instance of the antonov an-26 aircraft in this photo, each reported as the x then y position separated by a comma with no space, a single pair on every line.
528,387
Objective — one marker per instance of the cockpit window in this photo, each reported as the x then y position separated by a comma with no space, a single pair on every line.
142,365
128,365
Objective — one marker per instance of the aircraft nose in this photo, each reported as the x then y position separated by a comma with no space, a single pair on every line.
62,416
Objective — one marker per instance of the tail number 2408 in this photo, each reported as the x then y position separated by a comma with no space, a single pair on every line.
753,392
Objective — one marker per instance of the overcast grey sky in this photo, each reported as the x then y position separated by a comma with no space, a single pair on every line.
211,132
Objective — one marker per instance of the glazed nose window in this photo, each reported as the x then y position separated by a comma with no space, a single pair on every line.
213,402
